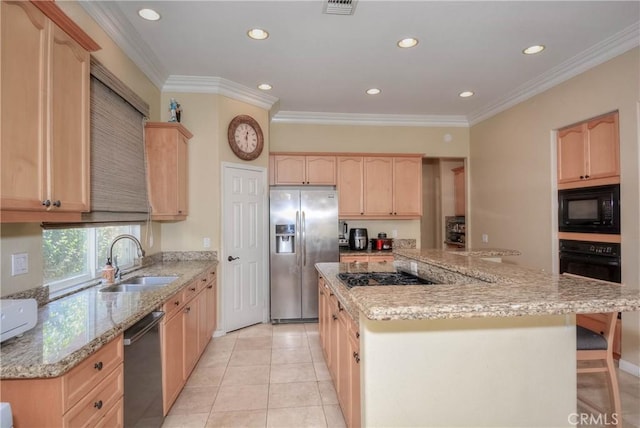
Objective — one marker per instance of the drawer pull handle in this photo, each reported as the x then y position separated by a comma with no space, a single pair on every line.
356,357
57,204
46,203
177,302
204,280
357,335
211,286
98,404
187,309
334,317
98,365
192,288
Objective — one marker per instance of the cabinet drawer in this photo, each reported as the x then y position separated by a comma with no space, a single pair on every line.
383,258
202,281
97,402
173,304
190,291
212,275
78,382
354,259
114,418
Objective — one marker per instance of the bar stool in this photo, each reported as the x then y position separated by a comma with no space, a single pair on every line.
592,346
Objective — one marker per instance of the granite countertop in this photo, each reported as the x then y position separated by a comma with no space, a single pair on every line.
73,327
471,287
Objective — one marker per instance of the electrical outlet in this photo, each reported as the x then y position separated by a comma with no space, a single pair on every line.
394,233
414,267
206,242
19,264
485,238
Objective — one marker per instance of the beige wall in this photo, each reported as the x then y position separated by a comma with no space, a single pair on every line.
207,116
512,167
19,238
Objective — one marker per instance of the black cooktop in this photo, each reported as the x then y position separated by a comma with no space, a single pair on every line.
381,278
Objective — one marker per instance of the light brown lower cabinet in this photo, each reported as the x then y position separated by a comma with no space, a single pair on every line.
366,258
340,340
186,329
90,394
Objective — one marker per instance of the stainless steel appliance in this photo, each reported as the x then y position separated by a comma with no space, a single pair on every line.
589,209
343,239
358,239
143,373
302,226
599,260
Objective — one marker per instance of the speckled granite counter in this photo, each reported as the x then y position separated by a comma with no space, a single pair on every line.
73,327
471,287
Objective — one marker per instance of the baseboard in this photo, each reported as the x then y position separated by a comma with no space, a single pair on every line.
219,333
630,368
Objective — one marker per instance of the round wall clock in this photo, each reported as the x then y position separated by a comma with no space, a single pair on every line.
245,137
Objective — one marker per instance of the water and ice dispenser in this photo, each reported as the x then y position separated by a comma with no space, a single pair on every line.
285,238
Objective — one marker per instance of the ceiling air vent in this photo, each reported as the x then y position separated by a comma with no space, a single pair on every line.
339,7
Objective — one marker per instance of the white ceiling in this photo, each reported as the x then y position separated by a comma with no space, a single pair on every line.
320,65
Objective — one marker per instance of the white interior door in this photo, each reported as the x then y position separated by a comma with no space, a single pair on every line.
244,252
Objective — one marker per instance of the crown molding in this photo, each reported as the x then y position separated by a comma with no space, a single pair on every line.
599,53
219,85
318,118
111,19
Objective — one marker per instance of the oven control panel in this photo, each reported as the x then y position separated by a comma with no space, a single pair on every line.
586,247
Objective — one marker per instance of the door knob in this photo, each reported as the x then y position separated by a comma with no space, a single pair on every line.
232,258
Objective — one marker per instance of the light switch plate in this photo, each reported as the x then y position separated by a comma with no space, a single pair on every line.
19,264
485,238
206,242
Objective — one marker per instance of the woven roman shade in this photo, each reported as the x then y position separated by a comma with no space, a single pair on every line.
118,179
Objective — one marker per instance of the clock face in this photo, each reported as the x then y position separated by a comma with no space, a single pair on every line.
245,137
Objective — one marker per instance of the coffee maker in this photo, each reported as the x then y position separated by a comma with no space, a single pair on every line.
343,238
358,239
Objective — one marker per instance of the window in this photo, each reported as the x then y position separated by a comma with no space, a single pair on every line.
76,255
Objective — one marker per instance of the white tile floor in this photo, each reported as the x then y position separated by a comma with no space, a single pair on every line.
260,376
275,376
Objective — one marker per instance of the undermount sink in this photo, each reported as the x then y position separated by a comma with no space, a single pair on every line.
140,283
150,280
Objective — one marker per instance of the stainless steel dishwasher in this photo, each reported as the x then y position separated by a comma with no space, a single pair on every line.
143,373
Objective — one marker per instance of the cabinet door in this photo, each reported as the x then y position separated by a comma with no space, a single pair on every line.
212,310
603,147
321,170
22,114
332,350
190,338
407,186
344,365
571,154
203,325
172,360
378,186
354,382
182,178
69,103
350,185
290,169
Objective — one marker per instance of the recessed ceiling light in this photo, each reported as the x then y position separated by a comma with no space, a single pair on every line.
149,14
257,34
465,94
264,86
407,43
373,91
533,49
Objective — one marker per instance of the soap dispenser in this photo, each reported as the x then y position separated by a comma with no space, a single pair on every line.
109,272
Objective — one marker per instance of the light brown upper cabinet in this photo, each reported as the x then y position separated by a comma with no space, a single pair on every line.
167,169
458,191
589,153
44,114
380,186
304,170
350,186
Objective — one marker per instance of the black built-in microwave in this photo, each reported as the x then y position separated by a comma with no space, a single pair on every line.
590,209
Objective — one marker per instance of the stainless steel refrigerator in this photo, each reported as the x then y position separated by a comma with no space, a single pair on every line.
303,226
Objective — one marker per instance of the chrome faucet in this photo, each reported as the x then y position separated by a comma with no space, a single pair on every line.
141,253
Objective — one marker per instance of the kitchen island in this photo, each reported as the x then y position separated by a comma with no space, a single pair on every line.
489,344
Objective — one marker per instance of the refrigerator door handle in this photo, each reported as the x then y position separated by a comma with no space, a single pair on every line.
298,237
304,240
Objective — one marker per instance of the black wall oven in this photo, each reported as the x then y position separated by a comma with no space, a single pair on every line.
597,260
589,209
